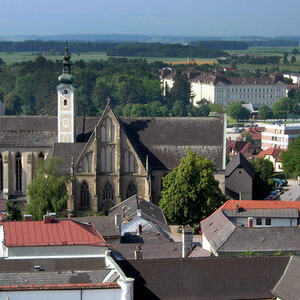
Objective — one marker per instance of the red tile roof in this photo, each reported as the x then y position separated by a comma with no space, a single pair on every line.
58,233
275,152
260,204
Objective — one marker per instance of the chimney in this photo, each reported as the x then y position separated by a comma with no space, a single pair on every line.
237,207
138,253
139,229
49,218
187,241
118,222
70,215
27,217
250,222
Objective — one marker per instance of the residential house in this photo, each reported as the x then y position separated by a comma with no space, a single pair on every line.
265,227
254,133
262,213
248,149
217,88
50,238
239,176
293,194
223,278
64,278
279,135
274,156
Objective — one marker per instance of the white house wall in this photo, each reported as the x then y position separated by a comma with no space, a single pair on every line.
205,243
94,294
1,241
275,222
56,251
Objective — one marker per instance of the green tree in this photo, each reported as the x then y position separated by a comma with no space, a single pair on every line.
285,107
218,108
13,103
293,59
238,112
181,90
179,109
291,159
262,183
14,212
48,190
285,58
190,191
264,112
2,62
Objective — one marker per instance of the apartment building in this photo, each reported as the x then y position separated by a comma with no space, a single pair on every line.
279,135
217,88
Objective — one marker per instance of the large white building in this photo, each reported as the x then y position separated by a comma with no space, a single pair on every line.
217,88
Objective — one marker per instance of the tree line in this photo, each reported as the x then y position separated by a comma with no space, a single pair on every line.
221,45
134,87
253,60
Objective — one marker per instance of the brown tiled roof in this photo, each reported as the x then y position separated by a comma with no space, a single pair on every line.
275,152
208,278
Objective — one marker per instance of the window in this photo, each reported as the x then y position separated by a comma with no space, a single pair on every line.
18,165
85,164
258,221
131,190
107,131
129,162
1,173
65,102
108,196
268,221
84,195
108,159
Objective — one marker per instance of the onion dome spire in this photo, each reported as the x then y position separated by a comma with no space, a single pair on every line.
66,76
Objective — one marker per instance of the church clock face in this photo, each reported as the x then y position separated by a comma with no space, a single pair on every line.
66,92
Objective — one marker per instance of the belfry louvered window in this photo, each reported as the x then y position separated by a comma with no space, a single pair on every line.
18,166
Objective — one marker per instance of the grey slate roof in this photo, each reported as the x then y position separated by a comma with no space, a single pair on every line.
288,287
39,131
239,161
262,239
149,210
165,140
208,278
51,264
293,194
263,213
217,228
53,271
45,278
158,250
66,151
104,224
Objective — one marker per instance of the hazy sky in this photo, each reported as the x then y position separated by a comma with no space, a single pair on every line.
153,17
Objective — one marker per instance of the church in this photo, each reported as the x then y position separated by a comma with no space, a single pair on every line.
110,158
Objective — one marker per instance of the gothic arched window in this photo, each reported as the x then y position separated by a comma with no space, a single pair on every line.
18,161
129,162
1,173
107,130
107,158
84,195
131,190
108,193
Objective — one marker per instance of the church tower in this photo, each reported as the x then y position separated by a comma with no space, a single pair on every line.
66,108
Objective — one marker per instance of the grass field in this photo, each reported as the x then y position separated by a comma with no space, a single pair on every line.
10,58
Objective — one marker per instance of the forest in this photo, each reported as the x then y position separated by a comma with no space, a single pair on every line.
221,45
29,88
113,49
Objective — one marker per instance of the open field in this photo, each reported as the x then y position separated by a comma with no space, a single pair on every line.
10,58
